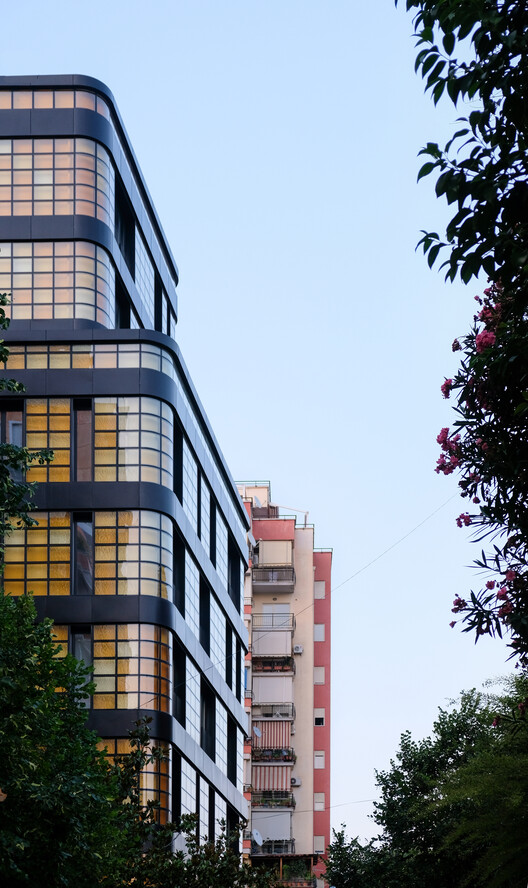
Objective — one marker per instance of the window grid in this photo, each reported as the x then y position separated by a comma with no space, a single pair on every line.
192,595
48,425
190,486
205,515
220,814
144,278
221,737
132,667
217,635
188,788
204,810
192,702
47,99
133,440
38,559
154,779
56,177
221,548
49,280
114,355
133,553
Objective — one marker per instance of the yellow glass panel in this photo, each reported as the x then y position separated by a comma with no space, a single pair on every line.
105,571
103,701
59,537
59,553
37,362
128,649
60,519
105,536
149,701
104,473
105,553
37,474
37,571
105,439
61,457
150,587
148,633
59,571
104,633
57,587
14,571
105,519
38,587
57,474
128,587
105,587
14,588
82,360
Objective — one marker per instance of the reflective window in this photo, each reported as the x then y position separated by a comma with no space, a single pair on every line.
192,702
188,788
132,667
56,177
220,814
192,595
48,425
217,634
190,486
43,99
63,279
144,278
155,778
38,559
240,760
204,810
205,515
221,736
133,553
221,548
133,440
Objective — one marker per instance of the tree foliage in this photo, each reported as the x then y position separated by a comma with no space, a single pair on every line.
476,54
452,808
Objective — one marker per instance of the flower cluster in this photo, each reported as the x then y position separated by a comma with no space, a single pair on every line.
446,387
463,520
484,340
450,458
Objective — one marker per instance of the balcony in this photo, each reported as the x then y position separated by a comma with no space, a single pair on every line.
279,576
276,846
272,798
266,754
277,711
274,622
273,664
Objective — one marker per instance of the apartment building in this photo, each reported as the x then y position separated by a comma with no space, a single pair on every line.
140,550
287,597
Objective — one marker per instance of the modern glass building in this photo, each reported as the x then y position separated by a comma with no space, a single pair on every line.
140,549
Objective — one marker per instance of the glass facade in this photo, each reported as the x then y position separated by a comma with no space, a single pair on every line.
51,280
128,448
56,177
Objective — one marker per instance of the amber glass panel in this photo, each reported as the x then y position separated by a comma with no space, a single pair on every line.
38,558
154,780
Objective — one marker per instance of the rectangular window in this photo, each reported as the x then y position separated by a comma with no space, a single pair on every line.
319,675
180,682
208,719
83,553
319,718
231,750
319,760
81,644
205,616
84,445
319,801
319,845
319,631
319,589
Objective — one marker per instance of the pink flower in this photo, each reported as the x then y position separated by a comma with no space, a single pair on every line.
476,499
490,584
510,576
456,345
463,520
452,623
484,340
495,721
442,436
446,387
502,593
506,609
459,604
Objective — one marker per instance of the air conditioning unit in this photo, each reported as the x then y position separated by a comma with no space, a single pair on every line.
296,781
298,649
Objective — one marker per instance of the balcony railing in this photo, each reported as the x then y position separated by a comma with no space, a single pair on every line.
275,846
275,711
273,798
273,664
267,754
271,622
281,577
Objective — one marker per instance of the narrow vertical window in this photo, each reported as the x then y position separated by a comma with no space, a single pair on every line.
205,616
84,447
81,644
83,553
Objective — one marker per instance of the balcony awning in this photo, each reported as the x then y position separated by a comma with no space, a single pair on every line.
274,735
264,777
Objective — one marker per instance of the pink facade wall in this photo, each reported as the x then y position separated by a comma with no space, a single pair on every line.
322,649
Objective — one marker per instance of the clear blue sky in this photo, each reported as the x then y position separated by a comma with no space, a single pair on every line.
278,139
